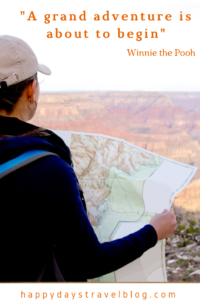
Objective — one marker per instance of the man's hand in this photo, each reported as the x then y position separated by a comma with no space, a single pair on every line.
164,223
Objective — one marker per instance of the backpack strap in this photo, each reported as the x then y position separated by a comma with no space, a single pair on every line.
22,160
15,164
25,159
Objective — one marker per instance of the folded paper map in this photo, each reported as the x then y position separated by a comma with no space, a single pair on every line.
124,187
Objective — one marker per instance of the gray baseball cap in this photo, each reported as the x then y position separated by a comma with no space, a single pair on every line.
18,61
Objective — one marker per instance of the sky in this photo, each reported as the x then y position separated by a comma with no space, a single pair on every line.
103,64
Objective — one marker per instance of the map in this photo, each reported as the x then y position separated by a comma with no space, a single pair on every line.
124,187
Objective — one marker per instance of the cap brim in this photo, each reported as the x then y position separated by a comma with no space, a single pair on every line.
44,69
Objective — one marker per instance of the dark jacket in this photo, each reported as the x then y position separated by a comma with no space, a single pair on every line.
41,210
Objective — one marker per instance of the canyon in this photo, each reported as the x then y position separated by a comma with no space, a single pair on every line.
166,123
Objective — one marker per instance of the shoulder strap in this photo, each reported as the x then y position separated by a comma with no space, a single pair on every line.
13,165
22,160
28,157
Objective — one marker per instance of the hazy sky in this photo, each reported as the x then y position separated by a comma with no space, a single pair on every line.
103,63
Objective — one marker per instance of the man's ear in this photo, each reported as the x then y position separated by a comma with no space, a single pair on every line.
31,89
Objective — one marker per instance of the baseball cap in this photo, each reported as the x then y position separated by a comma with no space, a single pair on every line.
17,61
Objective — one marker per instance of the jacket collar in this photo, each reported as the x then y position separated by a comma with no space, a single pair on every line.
14,126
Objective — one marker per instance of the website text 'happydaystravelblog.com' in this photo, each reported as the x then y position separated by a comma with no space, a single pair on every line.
121,294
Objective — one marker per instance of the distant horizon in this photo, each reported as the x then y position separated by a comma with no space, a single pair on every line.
112,91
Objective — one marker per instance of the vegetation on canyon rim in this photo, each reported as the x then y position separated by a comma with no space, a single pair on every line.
182,249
